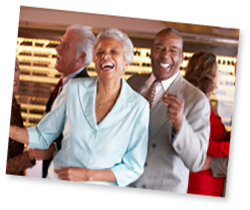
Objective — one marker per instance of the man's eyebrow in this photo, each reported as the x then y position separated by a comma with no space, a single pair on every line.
175,47
172,47
158,44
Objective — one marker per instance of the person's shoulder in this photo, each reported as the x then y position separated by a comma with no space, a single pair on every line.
82,81
137,81
85,80
136,77
137,98
194,96
192,90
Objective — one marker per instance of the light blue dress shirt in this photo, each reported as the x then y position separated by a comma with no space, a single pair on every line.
118,142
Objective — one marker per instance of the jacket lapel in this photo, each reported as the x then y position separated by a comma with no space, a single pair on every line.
87,95
121,108
158,116
176,87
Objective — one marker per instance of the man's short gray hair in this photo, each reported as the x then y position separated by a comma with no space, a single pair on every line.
86,41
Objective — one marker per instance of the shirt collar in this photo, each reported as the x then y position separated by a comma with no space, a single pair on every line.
165,83
70,76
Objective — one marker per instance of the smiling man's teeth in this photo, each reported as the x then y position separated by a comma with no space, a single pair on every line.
164,65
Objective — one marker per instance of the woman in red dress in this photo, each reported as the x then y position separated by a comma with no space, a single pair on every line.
203,72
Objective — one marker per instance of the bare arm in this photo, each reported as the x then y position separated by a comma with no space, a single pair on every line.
207,163
44,154
83,174
19,134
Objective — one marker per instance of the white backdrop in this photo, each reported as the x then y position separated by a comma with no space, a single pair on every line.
30,193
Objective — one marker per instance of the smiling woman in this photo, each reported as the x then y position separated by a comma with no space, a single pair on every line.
103,121
109,59
112,53
121,37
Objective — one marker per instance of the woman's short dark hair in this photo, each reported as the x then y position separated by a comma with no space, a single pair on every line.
201,71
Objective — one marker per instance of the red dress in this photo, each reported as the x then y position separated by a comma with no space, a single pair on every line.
203,182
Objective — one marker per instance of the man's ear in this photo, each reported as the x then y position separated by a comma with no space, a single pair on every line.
151,51
182,57
82,56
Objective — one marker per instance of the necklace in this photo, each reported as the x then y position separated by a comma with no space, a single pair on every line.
100,105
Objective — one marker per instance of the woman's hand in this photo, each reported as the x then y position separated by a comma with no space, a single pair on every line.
73,173
31,155
83,174
207,164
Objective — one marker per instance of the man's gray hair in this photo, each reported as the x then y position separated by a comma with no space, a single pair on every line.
86,41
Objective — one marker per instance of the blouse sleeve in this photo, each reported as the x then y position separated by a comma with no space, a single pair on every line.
51,125
133,161
219,143
218,148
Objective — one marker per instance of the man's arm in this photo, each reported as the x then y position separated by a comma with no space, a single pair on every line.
191,140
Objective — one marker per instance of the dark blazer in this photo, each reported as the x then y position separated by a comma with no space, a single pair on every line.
58,140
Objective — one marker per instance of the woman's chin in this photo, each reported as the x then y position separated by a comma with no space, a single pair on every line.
106,74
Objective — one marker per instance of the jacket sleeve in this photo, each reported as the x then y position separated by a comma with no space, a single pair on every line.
191,141
218,149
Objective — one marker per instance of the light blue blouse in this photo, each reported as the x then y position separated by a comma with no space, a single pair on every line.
118,142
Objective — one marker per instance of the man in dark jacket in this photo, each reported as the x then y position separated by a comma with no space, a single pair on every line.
74,53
